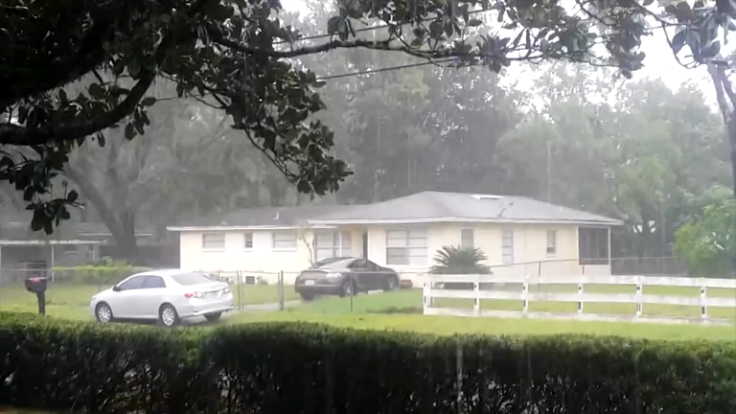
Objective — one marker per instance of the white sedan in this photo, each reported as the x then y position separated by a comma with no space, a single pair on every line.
164,295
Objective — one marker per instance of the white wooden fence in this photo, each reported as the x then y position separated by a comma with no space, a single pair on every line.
480,291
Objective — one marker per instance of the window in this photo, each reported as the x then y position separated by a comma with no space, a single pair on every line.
332,244
132,284
186,279
507,246
551,242
213,241
593,245
284,240
467,238
248,241
406,247
153,282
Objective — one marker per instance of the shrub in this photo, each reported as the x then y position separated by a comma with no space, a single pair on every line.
96,274
305,368
451,260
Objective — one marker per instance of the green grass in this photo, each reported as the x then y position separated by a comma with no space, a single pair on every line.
402,311
71,301
410,301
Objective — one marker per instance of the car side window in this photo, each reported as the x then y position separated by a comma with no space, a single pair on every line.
358,264
371,266
153,282
132,284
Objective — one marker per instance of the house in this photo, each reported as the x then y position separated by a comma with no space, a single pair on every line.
517,234
23,250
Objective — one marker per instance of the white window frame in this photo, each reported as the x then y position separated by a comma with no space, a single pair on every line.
507,246
551,243
292,241
414,245
341,244
219,245
463,234
248,237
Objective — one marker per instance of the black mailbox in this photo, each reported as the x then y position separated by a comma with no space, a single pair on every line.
36,284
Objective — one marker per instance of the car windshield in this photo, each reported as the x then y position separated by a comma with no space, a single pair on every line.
333,263
186,279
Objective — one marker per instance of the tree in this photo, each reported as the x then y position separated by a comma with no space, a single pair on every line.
235,56
708,242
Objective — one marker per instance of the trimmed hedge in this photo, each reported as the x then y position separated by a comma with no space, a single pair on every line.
96,274
304,368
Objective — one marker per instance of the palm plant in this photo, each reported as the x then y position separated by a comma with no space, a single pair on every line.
451,260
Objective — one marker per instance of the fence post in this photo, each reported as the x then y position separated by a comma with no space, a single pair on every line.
476,299
281,290
639,292
703,298
425,293
524,296
580,296
241,290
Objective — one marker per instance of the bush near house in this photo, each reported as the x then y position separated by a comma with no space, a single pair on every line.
96,274
304,368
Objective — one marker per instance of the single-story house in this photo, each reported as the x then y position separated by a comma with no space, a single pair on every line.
517,234
23,250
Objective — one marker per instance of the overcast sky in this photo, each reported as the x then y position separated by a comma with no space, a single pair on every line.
659,62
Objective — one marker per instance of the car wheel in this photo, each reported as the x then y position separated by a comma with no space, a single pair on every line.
167,316
103,313
213,316
307,296
347,289
391,284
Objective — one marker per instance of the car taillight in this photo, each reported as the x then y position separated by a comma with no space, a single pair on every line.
227,290
193,295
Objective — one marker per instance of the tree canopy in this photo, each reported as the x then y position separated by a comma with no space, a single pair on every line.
238,57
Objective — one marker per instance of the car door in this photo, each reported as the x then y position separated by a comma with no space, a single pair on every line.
151,296
359,272
379,275
123,300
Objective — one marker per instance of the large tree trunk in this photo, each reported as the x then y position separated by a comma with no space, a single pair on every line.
122,226
726,97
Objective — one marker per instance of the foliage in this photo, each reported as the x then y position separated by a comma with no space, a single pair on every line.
708,243
452,260
96,274
312,368
237,57
644,157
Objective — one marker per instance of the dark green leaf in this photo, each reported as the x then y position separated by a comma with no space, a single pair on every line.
679,41
129,131
96,91
333,24
148,101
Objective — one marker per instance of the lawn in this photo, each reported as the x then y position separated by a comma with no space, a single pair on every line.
71,301
402,311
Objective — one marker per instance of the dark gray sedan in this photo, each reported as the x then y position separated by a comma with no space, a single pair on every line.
344,276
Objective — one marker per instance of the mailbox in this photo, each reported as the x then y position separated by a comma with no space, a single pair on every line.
36,284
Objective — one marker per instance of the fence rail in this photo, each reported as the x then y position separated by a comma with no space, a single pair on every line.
481,291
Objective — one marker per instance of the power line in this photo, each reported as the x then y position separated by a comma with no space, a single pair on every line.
386,69
354,73
366,29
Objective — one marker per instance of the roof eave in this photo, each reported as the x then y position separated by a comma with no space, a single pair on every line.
242,228
465,220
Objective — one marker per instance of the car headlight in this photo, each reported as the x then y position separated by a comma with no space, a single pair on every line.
333,275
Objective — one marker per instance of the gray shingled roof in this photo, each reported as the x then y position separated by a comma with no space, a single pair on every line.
266,216
428,205
437,206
